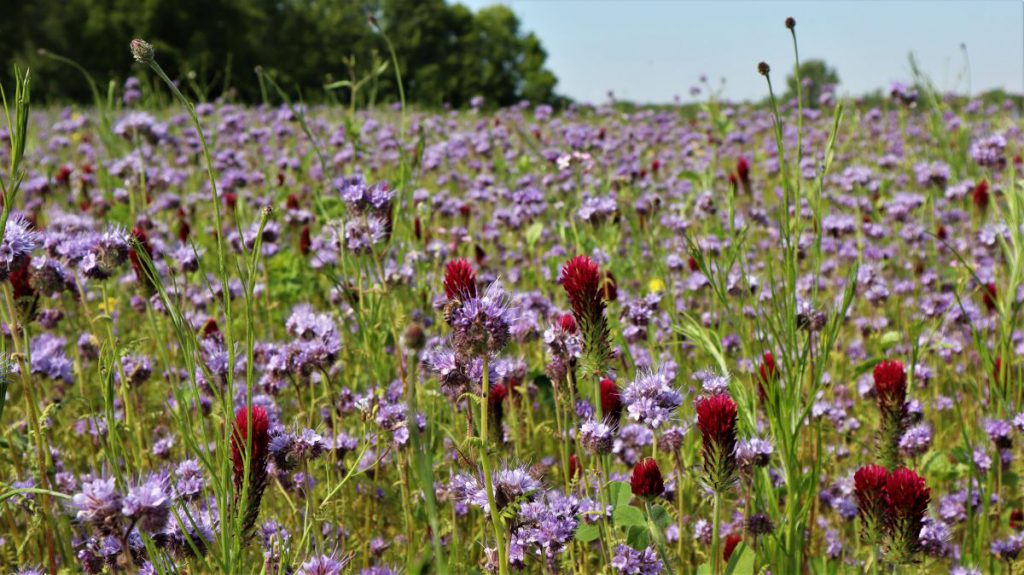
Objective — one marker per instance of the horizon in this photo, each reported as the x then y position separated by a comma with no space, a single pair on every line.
639,50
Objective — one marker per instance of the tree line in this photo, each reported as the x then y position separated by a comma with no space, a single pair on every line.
447,53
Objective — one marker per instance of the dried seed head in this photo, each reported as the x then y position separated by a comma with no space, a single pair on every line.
790,22
142,51
763,69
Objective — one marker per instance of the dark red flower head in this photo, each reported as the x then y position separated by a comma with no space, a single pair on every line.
907,496
211,330
906,499
459,280
730,545
989,296
869,485
259,443
743,171
497,395
716,419
575,469
767,366
567,323
581,280
1017,518
646,480
611,401
139,235
869,489
767,372
891,384
980,196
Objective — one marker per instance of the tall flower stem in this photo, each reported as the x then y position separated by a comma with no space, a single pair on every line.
485,463
715,535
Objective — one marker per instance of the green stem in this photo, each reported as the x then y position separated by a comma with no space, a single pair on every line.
496,520
715,555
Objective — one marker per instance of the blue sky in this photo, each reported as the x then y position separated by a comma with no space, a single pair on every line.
650,51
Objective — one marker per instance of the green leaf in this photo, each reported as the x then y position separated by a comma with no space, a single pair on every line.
660,517
891,338
692,176
628,516
704,569
741,562
638,538
587,533
533,233
621,493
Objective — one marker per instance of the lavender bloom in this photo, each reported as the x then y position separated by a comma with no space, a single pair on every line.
754,452
323,565
148,504
651,399
49,359
988,152
546,525
596,437
511,483
999,431
362,233
317,342
1007,549
628,561
18,242
916,440
935,536
631,441
189,481
481,324
712,382
98,502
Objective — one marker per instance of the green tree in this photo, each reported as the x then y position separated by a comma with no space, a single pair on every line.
815,75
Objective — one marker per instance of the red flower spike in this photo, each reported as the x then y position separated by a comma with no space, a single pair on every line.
743,172
305,241
459,280
980,196
497,395
767,372
989,296
906,495
730,545
646,480
869,489
1017,518
906,498
890,384
567,323
716,419
581,279
611,401
575,469
259,444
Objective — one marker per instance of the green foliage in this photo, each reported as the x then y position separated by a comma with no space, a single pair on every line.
448,53
815,74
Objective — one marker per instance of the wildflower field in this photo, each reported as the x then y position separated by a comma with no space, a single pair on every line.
299,339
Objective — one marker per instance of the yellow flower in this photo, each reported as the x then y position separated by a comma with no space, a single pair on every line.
656,285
